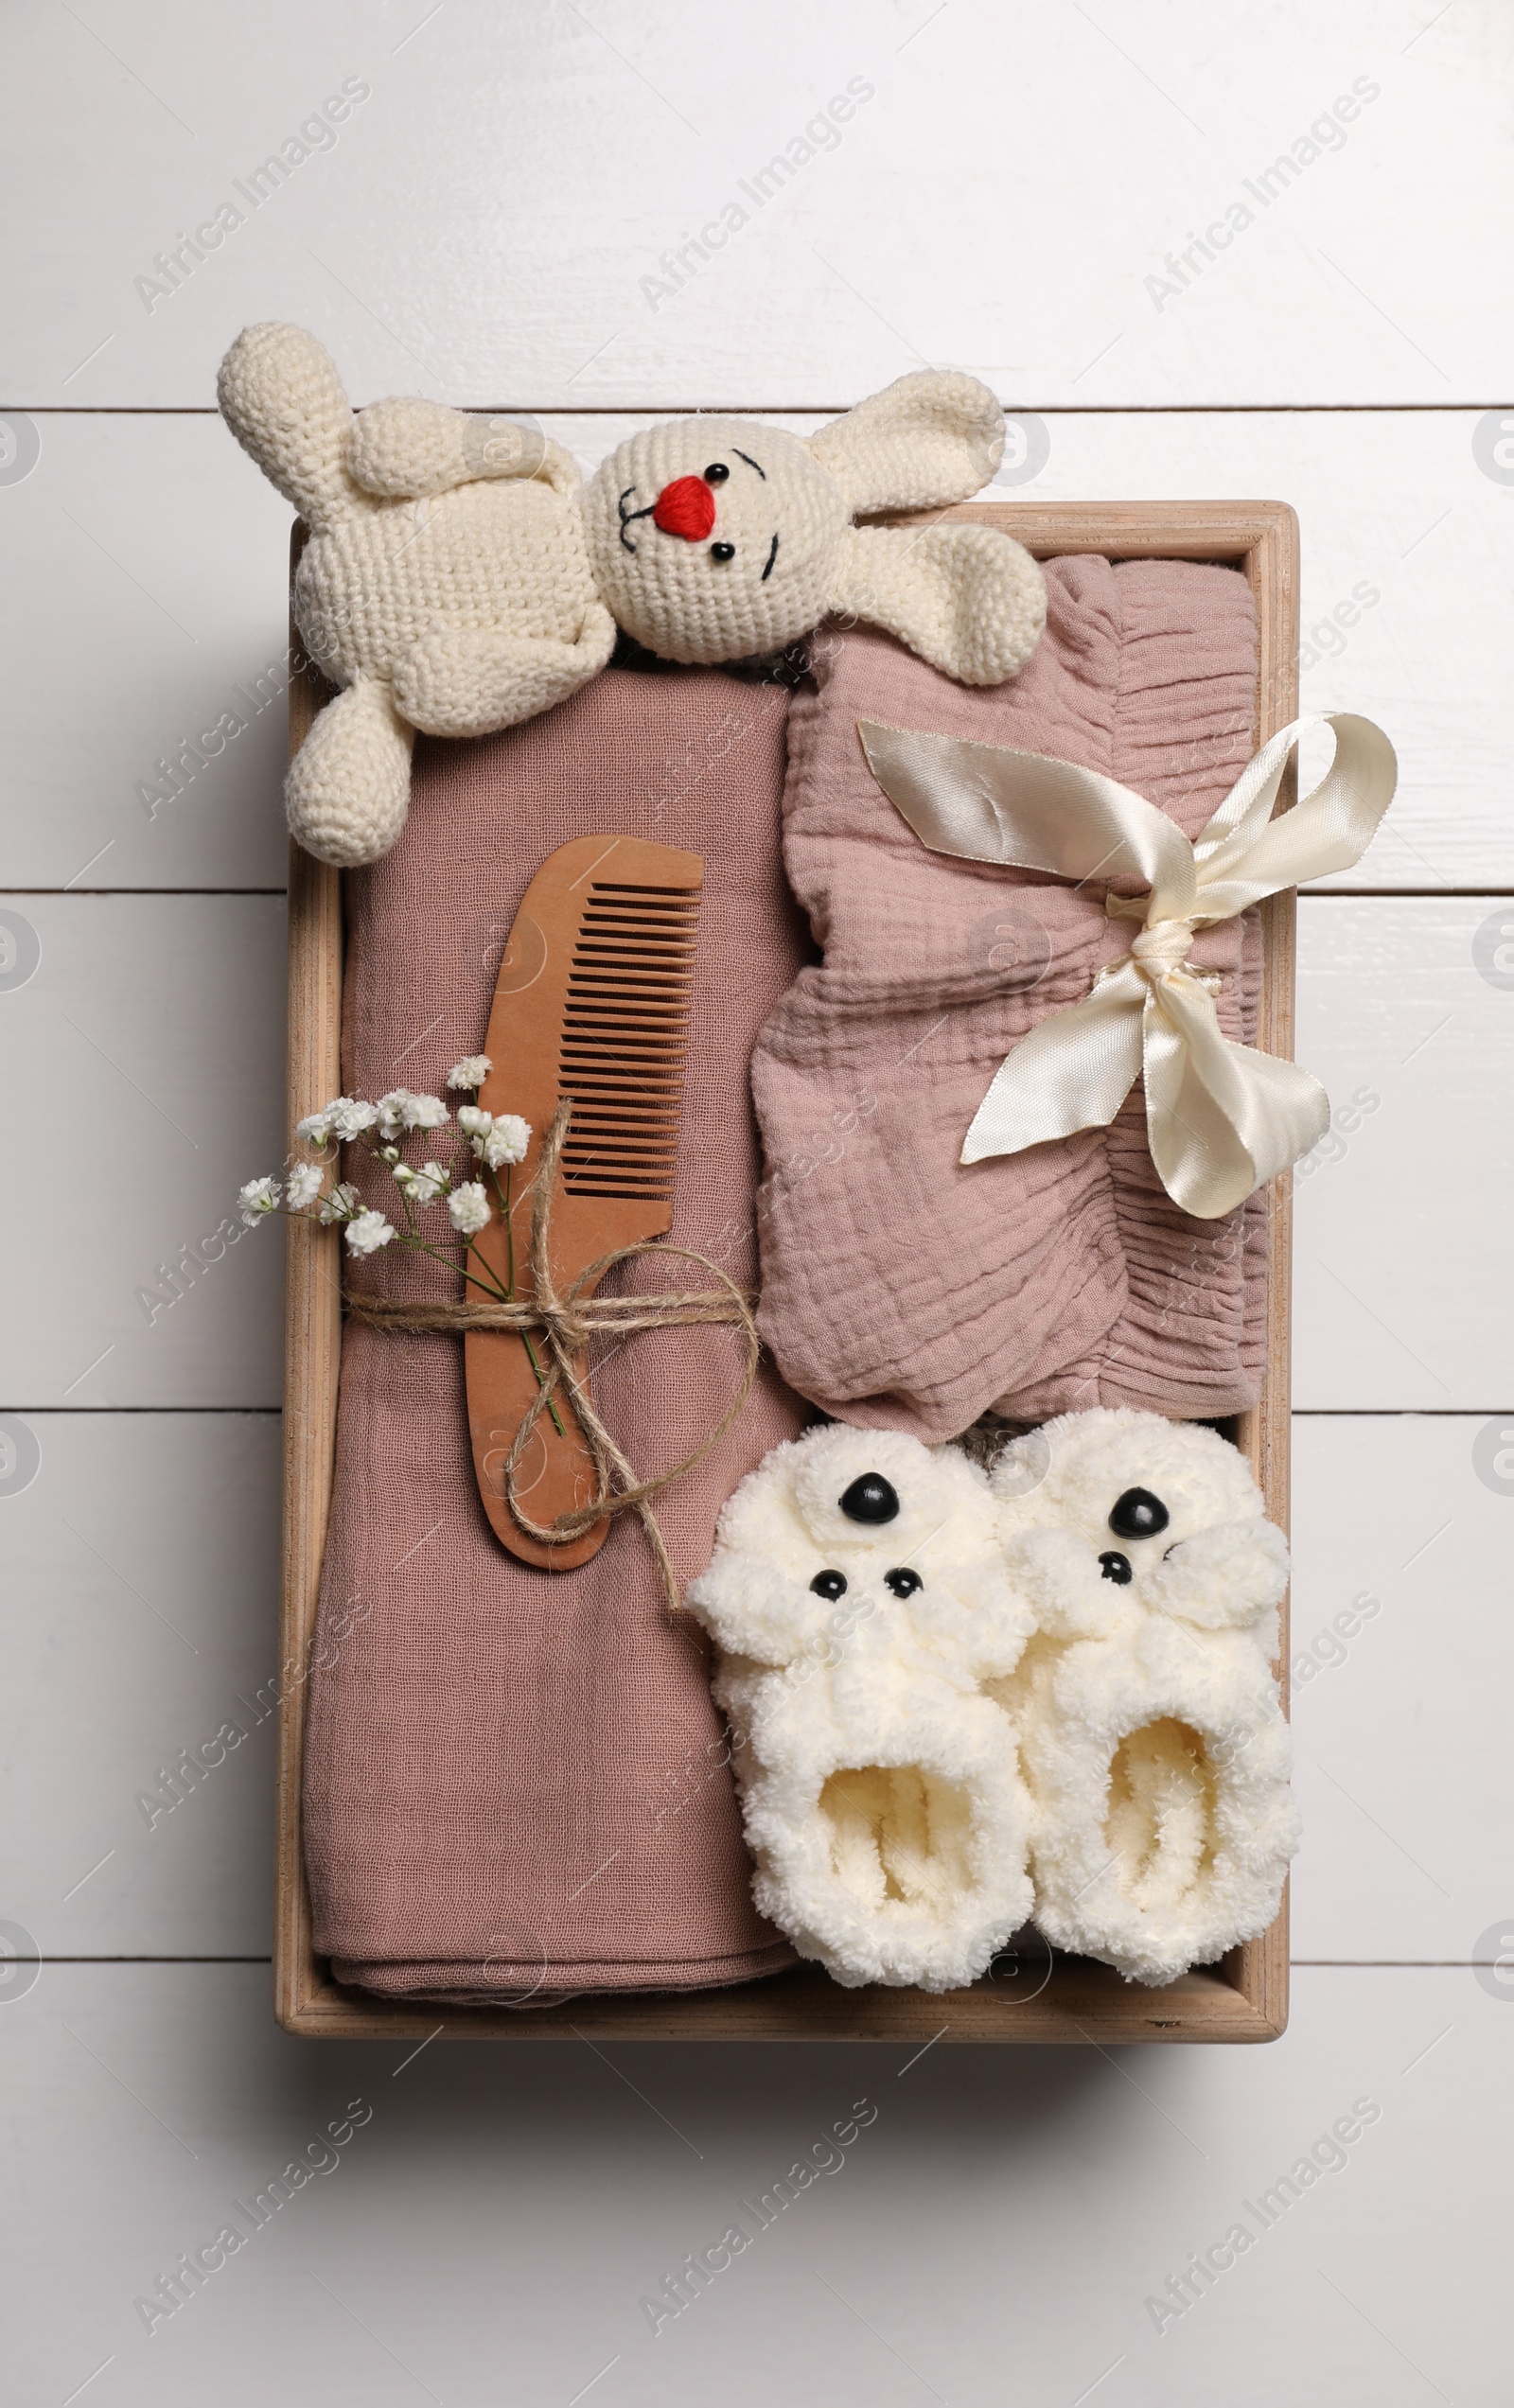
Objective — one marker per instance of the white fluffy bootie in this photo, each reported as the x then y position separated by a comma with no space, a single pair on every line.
1151,1728
859,1596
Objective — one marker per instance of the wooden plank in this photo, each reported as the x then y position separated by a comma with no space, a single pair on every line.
1247,1999
1394,508
139,1605
137,1517
1405,1209
143,1087
905,230
152,550
477,2191
312,1361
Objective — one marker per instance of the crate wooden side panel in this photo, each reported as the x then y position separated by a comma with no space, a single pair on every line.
1065,1999
312,1341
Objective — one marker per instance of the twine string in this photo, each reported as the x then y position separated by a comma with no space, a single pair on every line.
566,1321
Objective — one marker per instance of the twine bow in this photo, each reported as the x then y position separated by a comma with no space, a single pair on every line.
566,1322
1222,1119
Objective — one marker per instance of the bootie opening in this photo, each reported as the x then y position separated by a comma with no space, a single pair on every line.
899,1834
1161,1823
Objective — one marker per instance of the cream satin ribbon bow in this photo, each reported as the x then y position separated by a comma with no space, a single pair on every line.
1222,1119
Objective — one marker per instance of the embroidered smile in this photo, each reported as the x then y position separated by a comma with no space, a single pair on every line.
686,508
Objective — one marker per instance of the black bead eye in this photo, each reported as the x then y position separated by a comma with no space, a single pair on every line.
716,473
871,1498
722,551
1117,1568
1139,1515
829,1585
903,1581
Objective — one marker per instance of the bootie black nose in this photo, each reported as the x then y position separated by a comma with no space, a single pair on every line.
1139,1515
871,1498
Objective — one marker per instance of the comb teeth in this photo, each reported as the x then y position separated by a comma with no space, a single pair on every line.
625,1033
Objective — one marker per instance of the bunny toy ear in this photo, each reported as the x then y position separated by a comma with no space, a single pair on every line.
282,398
930,438
969,600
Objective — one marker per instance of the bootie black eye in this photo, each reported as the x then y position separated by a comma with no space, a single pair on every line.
1115,1567
1139,1515
829,1585
903,1581
871,1498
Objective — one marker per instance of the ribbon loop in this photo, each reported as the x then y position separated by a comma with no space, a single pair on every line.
1222,1118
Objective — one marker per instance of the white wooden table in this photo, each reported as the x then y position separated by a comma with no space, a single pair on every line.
512,214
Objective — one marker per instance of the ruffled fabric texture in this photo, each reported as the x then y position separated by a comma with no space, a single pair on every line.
900,1288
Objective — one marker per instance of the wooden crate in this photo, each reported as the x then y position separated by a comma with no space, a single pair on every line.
1045,1998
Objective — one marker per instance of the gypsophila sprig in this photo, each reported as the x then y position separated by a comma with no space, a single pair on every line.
470,1072
257,1200
347,1118
339,1204
304,1184
368,1232
506,1143
486,1144
468,1208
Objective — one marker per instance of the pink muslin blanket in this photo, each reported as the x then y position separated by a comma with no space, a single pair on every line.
901,1289
516,1782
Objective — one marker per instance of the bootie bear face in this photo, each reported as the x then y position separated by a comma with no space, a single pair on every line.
714,541
858,1592
862,1543
1106,1515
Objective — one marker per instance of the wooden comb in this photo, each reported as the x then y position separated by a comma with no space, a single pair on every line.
591,1004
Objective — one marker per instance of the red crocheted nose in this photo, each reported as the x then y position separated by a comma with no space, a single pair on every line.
686,507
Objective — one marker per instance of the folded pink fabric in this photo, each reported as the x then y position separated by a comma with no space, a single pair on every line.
900,1288
516,1782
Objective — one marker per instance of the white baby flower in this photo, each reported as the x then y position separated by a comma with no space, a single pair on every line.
506,1141
424,1111
316,1128
259,1198
391,1111
305,1184
468,1208
470,1072
342,1204
424,1186
347,1118
368,1232
474,1123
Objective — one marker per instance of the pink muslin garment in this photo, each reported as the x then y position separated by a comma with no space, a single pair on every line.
516,1782
902,1289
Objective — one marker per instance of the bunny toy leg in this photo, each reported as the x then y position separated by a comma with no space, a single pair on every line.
348,787
455,682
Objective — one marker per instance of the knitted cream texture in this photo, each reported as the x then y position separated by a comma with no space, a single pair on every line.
1150,1723
458,576
881,1789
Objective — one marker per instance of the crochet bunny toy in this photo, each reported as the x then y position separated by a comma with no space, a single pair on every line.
1151,1734
859,1599
460,577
